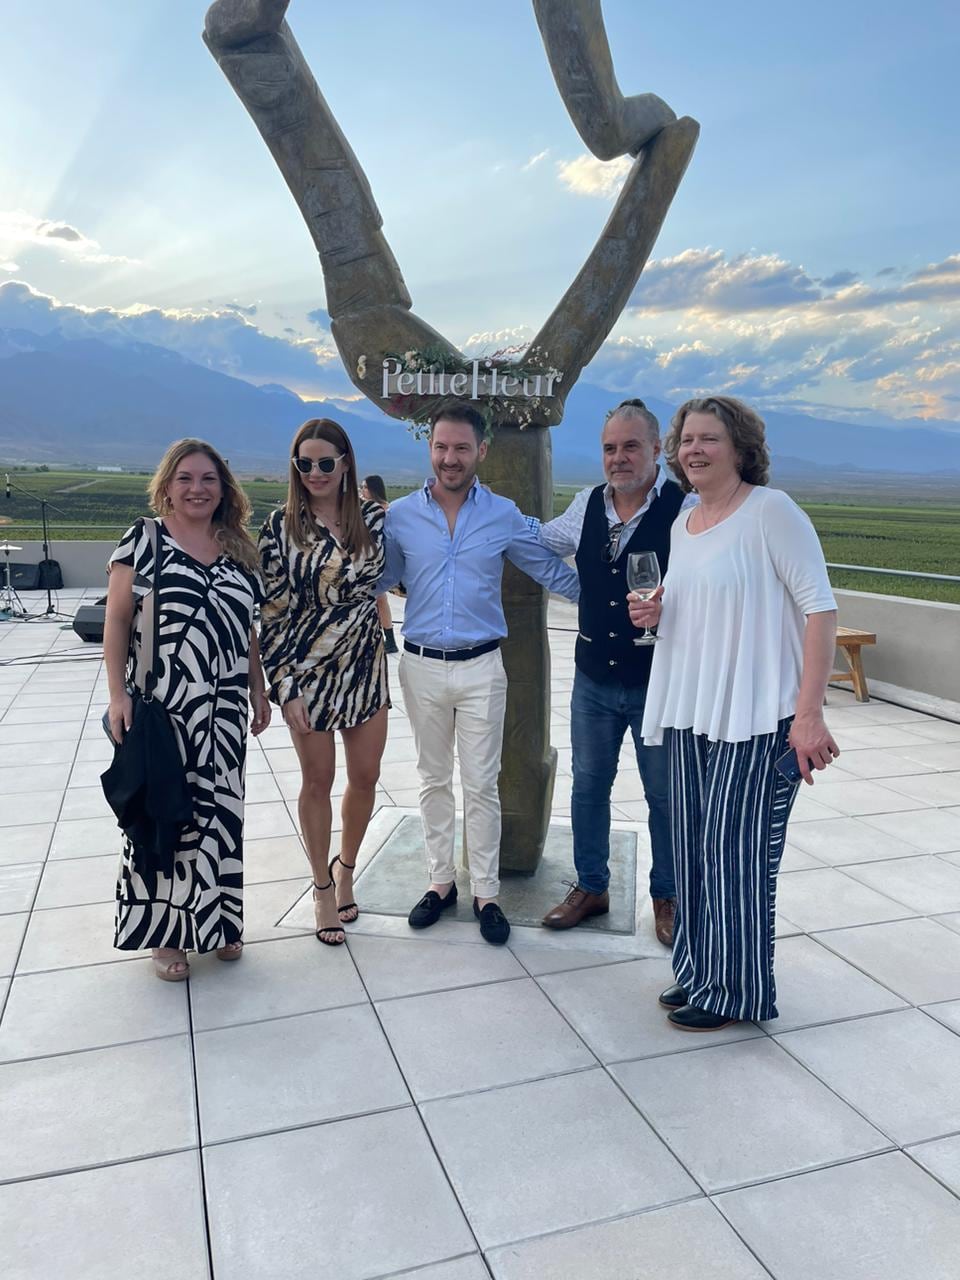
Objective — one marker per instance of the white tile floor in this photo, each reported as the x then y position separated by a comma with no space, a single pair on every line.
432,1107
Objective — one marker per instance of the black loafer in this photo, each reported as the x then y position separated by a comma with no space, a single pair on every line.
494,925
428,909
673,998
690,1018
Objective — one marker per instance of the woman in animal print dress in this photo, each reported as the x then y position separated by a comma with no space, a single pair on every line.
209,673
321,555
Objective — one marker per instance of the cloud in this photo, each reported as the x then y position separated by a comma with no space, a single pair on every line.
888,271
59,231
535,160
588,176
839,278
319,317
708,280
20,231
763,328
221,339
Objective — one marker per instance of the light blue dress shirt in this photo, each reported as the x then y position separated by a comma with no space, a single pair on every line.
453,583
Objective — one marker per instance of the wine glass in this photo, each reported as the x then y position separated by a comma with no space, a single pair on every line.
643,578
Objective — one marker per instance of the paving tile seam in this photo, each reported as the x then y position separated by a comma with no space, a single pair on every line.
604,1067
507,1084
195,1081
873,1124
916,1146
99,1164
92,1048
577,968
893,1149
307,1124
461,986
905,906
423,1124
422,1267
643,1212
282,1017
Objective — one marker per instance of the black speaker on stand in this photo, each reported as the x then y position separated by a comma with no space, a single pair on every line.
88,623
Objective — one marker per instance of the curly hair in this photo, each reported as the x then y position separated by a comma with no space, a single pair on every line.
233,512
745,428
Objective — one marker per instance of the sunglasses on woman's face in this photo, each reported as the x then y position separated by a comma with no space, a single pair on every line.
326,465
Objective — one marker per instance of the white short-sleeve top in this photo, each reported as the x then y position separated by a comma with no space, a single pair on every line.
735,598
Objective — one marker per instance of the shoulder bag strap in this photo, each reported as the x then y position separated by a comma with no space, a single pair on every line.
147,673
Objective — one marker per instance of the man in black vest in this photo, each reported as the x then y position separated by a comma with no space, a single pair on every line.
633,511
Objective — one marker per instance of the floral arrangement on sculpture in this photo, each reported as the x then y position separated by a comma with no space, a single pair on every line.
510,385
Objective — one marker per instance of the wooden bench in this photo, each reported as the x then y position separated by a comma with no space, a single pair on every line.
849,642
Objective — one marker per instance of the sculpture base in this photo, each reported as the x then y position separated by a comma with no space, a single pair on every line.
396,877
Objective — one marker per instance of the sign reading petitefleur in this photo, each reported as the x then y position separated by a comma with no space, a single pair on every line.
480,380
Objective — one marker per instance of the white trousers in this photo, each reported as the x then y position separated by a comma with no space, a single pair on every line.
462,704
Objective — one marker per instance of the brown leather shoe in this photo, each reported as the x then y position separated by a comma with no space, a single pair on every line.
664,910
577,906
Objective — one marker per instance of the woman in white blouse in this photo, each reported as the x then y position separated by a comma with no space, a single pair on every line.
746,634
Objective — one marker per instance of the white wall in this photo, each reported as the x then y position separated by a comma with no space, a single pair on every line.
918,641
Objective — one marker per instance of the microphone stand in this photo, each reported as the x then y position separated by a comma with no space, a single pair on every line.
50,611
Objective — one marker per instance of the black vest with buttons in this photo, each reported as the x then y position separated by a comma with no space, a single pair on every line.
605,648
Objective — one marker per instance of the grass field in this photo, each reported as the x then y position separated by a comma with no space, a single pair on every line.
926,539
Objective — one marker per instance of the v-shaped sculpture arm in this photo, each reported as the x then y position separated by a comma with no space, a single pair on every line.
367,300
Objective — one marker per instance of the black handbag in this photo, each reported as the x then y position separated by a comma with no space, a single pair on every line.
146,785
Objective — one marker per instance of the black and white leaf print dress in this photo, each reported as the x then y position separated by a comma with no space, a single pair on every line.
205,614
320,634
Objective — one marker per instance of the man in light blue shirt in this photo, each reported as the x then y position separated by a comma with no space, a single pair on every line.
447,544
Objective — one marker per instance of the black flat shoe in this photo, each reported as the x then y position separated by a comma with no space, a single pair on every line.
673,998
690,1018
428,909
494,925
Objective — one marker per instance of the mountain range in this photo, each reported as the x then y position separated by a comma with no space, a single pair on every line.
91,401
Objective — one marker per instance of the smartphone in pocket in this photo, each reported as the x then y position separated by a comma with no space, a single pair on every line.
789,766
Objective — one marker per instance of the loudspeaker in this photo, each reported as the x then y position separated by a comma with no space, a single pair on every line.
23,577
49,575
88,624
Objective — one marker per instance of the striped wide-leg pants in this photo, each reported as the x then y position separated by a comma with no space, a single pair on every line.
729,809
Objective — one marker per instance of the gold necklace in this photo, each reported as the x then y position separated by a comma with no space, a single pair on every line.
723,509
329,524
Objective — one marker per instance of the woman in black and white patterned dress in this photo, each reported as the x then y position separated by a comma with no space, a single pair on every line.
210,673
321,556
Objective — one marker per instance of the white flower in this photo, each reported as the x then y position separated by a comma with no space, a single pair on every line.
362,367
410,357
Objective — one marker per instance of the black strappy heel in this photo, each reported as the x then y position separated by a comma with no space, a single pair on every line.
347,906
326,928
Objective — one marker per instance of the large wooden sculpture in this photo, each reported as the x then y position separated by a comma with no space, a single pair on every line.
369,305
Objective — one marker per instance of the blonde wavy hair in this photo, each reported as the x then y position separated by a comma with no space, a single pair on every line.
233,513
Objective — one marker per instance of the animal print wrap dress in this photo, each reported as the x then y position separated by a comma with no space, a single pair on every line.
320,636
205,618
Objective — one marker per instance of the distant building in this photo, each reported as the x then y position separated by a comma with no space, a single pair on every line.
117,469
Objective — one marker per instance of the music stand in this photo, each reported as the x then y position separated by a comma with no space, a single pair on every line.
11,606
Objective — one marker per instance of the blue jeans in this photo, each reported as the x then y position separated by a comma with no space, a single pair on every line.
600,716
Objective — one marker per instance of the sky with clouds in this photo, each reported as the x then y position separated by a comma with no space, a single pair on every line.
811,259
